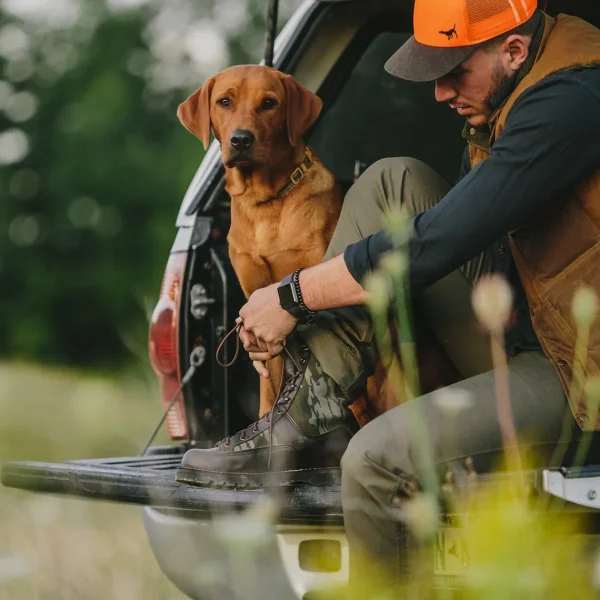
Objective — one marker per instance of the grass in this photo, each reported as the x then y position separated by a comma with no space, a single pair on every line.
61,548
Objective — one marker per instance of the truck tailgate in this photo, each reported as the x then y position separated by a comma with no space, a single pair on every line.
150,481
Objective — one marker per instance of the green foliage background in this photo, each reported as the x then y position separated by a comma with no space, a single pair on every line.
87,216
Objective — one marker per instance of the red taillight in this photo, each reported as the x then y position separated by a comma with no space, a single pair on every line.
164,344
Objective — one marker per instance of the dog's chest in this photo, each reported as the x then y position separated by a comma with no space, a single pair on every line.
268,233
264,237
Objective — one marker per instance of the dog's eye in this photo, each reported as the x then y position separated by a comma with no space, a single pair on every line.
223,102
269,103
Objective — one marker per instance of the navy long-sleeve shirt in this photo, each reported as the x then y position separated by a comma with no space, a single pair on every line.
551,141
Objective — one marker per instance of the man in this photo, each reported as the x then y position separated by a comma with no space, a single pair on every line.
527,206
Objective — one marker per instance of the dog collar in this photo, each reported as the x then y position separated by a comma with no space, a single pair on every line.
297,174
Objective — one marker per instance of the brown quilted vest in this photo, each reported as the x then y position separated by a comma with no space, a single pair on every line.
561,250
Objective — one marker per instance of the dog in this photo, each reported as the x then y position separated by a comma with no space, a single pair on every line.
284,203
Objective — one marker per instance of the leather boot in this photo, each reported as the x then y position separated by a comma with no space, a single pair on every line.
301,440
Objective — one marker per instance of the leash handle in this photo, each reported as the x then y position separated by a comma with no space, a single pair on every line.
236,330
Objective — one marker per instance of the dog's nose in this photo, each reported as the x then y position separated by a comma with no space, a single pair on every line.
242,139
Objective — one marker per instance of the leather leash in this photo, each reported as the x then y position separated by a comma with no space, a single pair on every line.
236,329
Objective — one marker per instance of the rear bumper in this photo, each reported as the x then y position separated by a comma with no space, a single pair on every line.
238,557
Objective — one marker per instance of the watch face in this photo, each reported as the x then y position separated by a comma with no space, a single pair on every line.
287,296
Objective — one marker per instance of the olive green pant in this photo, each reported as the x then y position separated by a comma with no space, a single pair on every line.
382,461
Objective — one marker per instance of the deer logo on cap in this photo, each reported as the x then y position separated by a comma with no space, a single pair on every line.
450,33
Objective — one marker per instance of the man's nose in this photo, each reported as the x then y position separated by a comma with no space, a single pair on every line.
242,139
444,92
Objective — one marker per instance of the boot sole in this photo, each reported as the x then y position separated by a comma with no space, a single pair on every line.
255,481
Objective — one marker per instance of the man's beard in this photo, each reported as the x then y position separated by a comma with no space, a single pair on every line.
499,80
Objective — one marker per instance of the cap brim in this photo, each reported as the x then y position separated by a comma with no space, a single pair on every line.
417,62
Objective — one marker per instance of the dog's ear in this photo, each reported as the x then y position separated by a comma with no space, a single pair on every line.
303,108
194,113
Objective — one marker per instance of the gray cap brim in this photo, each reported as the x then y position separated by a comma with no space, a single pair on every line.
417,62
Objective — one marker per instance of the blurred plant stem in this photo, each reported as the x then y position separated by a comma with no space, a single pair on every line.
585,311
389,286
493,302
502,389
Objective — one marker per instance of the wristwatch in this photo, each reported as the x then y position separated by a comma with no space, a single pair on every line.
288,297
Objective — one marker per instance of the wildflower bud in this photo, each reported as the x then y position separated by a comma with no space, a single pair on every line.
492,300
395,263
379,293
585,306
453,401
398,224
421,515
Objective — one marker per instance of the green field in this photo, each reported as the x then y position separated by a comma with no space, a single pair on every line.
57,548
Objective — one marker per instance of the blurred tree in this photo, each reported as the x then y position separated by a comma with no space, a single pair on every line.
94,164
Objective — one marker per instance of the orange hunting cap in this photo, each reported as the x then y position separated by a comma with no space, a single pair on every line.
447,32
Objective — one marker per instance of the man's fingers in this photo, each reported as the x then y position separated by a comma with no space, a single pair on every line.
262,370
275,349
260,356
244,336
248,338
251,348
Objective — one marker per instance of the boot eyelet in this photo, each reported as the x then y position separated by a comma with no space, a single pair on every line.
278,412
242,437
303,361
255,430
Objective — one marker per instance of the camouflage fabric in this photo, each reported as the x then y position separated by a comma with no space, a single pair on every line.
319,405
342,343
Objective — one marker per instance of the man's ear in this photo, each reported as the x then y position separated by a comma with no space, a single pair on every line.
194,113
518,48
303,108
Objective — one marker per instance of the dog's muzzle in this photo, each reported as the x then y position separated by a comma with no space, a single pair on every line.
242,140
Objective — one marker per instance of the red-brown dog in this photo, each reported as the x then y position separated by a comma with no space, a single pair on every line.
284,202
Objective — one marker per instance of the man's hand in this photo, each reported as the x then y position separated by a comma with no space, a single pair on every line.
257,356
265,324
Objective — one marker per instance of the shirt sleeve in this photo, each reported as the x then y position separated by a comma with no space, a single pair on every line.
363,257
550,142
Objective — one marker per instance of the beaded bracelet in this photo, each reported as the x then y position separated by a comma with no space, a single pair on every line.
296,281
